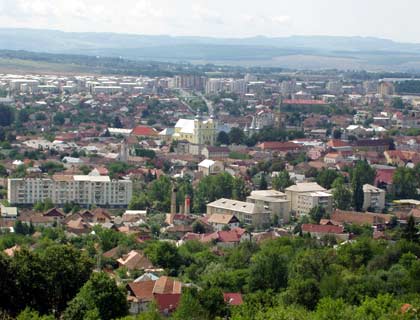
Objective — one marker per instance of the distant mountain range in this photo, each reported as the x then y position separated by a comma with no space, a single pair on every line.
296,52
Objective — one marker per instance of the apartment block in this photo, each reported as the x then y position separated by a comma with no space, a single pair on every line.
274,201
373,198
81,189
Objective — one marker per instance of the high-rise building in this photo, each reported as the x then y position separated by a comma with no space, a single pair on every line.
334,87
214,86
238,86
386,88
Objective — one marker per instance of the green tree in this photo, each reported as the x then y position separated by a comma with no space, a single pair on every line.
281,181
3,171
363,171
263,185
117,122
357,191
405,183
304,292
236,136
317,213
410,231
29,314
268,268
59,119
100,295
326,177
6,115
341,194
239,189
223,138
164,254
330,309
189,307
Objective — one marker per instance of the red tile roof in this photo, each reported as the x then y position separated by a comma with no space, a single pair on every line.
142,290
384,176
167,302
322,228
304,102
233,299
279,146
144,131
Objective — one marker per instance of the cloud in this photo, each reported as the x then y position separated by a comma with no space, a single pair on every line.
281,19
207,15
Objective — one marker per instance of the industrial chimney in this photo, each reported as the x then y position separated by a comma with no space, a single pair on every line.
187,204
173,200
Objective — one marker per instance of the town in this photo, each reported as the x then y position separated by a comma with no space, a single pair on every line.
262,195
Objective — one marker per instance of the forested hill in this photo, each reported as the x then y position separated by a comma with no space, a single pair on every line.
296,52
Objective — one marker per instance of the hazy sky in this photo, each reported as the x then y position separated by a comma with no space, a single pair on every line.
396,20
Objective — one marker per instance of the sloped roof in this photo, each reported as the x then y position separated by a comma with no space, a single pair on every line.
317,228
167,285
135,260
233,299
222,218
144,131
142,290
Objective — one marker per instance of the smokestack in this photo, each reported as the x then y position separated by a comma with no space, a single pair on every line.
187,204
173,200
181,208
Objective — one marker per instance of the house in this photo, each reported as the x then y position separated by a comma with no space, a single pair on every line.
402,158
379,145
246,212
226,239
333,158
38,220
360,218
55,213
221,221
373,198
274,201
281,147
165,291
8,213
135,260
211,152
210,167
320,231
293,193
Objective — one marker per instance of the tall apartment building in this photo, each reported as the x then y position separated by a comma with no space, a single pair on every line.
310,200
189,82
274,201
80,189
238,86
373,198
386,88
214,86
304,196
334,87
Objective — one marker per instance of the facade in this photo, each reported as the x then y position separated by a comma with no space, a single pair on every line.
197,131
210,167
246,212
80,189
272,200
310,200
293,193
373,198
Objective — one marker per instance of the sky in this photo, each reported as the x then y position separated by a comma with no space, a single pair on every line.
397,20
